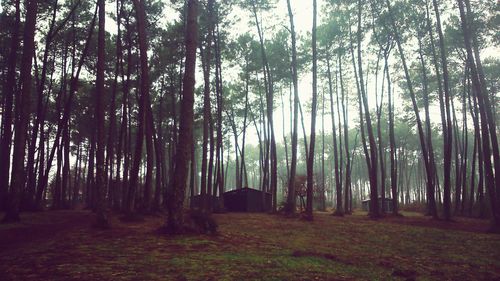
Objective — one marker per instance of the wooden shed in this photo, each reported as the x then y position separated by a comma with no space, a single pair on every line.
387,205
247,200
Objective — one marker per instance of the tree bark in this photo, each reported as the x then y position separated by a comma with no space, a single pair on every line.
488,128
338,184
310,160
100,205
22,105
175,220
9,90
291,199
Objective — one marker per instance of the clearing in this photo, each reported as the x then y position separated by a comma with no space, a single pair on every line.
61,245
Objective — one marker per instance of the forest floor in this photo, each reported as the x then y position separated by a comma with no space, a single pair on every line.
61,245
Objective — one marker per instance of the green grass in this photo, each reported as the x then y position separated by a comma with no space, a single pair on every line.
251,247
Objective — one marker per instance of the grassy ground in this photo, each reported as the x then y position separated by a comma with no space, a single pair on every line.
62,246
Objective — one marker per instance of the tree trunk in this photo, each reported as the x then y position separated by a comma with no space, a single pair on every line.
488,128
348,190
338,184
431,201
392,142
429,171
374,208
310,160
110,148
447,129
44,177
175,219
100,205
271,152
9,90
22,105
207,110
291,199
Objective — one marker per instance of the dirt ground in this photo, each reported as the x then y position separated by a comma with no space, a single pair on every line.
61,245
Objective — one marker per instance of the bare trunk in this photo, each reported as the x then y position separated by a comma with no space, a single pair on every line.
22,105
175,219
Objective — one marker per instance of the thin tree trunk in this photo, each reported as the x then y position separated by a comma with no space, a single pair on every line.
374,207
291,199
431,201
338,184
310,160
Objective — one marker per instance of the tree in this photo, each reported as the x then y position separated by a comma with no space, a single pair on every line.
22,104
488,127
9,88
448,139
310,160
338,179
141,118
100,205
207,112
175,220
423,145
371,154
293,165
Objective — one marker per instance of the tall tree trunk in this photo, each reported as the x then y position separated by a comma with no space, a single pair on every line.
374,207
322,188
348,190
291,199
457,149
268,81
431,201
9,90
429,172
447,129
22,105
100,206
44,177
207,110
90,172
125,134
490,108
175,219
381,147
110,148
488,127
39,118
477,151
310,160
465,139
338,184
66,182
142,123
360,106
158,141
220,148
392,141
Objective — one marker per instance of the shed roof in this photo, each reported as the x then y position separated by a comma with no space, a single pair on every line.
244,189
